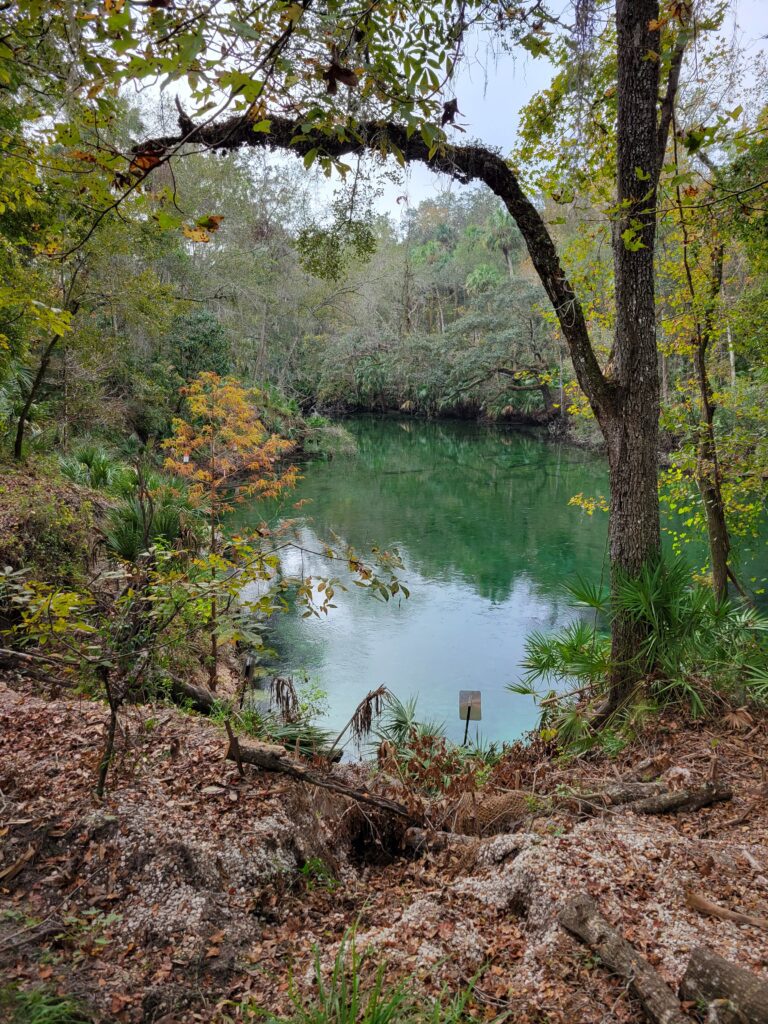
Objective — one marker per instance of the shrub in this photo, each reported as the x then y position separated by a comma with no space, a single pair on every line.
166,517
698,653
91,465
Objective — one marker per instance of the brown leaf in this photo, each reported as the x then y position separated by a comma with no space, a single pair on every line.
119,1002
738,720
144,162
450,110
212,223
338,73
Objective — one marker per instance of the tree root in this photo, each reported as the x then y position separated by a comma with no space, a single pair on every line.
581,917
711,979
273,758
705,906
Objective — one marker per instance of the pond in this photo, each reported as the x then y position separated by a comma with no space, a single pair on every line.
481,519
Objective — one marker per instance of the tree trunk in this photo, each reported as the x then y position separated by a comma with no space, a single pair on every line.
548,399
72,306
630,422
708,475
731,355
18,444
508,262
633,527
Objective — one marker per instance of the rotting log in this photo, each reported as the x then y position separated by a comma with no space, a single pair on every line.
199,697
682,799
649,798
581,917
629,792
648,769
270,757
617,794
709,978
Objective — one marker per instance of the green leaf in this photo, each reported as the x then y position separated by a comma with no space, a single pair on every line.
535,45
631,239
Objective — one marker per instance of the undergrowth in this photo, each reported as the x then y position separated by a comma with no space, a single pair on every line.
39,1006
357,992
699,655
420,754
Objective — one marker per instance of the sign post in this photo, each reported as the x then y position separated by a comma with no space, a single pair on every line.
470,709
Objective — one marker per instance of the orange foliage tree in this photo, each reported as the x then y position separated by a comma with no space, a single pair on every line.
224,449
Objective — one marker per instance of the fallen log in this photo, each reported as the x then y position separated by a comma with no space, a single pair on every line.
682,799
271,757
705,906
648,769
581,917
199,697
709,978
616,794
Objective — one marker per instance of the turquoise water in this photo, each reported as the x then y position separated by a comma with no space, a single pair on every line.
481,519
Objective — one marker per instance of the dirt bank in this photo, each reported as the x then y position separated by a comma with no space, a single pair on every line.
191,894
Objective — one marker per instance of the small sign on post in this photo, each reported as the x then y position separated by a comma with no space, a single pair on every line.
470,709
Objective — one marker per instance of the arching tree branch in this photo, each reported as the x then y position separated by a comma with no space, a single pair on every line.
464,163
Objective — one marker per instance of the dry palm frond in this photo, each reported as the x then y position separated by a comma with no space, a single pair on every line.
738,719
370,707
361,722
282,693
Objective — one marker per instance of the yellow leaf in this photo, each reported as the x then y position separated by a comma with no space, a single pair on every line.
195,234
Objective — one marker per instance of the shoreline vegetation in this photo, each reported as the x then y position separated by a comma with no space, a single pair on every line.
181,839
229,851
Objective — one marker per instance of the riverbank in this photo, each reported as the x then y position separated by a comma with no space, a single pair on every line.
192,893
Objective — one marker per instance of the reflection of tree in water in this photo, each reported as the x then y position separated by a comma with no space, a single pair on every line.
483,503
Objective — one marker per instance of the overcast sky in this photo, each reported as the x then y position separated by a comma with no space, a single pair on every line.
491,95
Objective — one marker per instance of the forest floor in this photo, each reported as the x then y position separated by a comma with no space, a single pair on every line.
193,894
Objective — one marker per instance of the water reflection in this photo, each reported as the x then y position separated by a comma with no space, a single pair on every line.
482,522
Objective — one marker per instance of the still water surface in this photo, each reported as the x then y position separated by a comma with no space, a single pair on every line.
481,519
